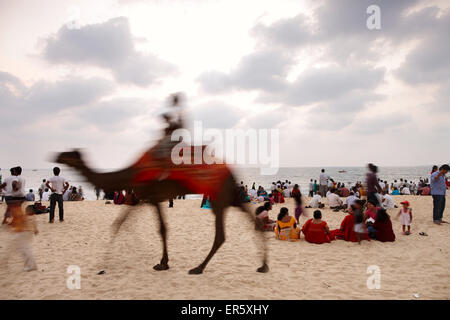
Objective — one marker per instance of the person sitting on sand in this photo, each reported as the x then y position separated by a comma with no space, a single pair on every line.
263,193
263,222
371,211
334,201
46,195
286,228
277,196
30,195
405,215
383,227
344,192
395,192
346,231
74,195
350,200
316,230
387,201
316,201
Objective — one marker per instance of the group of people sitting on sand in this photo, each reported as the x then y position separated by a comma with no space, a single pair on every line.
374,223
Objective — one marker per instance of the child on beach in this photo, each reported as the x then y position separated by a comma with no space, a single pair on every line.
405,215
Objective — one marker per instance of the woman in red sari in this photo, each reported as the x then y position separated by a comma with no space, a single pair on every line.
383,227
346,232
316,230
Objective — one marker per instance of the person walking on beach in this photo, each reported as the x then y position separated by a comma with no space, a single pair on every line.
58,187
323,183
10,185
438,190
372,184
42,189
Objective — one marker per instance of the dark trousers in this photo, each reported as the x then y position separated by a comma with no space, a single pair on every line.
438,207
372,197
56,198
311,193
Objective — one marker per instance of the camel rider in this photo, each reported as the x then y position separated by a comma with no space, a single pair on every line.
174,120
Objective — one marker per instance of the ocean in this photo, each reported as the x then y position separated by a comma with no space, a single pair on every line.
299,175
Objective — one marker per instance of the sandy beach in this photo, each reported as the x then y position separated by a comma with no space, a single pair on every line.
411,265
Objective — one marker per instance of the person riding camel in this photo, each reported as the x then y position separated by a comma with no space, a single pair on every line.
162,151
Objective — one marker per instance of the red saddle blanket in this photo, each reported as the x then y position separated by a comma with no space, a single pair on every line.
197,178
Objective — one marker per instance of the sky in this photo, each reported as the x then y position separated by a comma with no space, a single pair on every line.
96,74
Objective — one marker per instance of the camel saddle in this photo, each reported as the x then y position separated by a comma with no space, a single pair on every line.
200,178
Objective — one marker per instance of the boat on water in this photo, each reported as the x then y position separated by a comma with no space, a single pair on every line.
342,171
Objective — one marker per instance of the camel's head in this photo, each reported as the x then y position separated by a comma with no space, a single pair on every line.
72,158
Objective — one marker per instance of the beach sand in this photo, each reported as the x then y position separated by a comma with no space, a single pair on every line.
411,265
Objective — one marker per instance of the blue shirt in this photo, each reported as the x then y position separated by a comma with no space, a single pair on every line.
438,187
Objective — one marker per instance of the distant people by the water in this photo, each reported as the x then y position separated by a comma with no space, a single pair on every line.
58,185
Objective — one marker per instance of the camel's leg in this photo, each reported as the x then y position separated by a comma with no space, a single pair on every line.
218,240
262,241
121,219
163,265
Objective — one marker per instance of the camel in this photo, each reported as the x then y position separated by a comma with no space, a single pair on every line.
155,192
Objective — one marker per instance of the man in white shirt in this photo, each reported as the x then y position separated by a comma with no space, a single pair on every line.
10,185
350,200
316,201
311,188
387,201
334,201
406,191
46,195
58,186
286,192
323,183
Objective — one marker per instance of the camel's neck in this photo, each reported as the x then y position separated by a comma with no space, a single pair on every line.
118,180
88,173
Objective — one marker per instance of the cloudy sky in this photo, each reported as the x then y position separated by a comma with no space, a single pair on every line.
95,74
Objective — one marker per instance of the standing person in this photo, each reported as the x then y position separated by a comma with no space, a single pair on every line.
323,183
311,188
315,187
10,185
42,189
58,186
438,190
372,184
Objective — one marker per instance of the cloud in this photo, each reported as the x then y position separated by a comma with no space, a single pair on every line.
261,70
316,85
108,45
216,114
